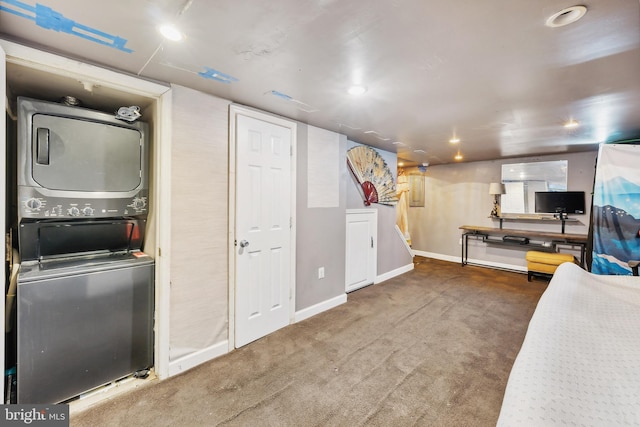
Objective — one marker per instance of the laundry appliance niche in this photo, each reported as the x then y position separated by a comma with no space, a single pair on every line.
49,221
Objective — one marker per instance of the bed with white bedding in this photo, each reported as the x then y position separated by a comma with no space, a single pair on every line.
580,360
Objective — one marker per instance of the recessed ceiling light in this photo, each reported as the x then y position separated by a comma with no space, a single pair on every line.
400,164
170,32
454,140
458,156
357,90
571,124
566,16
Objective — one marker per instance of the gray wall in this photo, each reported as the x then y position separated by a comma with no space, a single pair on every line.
320,234
392,252
199,313
458,194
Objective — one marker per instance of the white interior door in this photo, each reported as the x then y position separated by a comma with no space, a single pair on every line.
263,228
361,262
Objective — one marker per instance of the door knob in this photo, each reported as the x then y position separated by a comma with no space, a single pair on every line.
244,243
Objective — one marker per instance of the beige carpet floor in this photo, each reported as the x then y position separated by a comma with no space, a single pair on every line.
432,347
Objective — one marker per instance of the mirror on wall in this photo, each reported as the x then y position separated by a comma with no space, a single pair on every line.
522,180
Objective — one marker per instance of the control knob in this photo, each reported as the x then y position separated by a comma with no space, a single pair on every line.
139,203
87,211
33,203
74,211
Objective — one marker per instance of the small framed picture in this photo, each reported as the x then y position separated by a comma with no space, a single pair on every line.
416,190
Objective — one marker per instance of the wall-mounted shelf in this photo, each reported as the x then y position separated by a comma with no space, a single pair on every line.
496,240
538,219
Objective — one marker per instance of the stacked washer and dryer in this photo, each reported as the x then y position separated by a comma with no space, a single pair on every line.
85,289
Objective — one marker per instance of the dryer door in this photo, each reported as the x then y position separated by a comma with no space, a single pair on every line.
79,155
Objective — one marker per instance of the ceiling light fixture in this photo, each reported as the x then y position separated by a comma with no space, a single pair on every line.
170,32
458,156
571,124
357,90
566,16
454,140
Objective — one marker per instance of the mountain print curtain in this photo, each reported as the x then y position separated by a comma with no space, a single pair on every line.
616,209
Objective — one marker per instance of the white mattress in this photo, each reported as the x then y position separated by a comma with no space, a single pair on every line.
580,360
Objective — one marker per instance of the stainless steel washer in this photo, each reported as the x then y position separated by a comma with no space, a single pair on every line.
82,322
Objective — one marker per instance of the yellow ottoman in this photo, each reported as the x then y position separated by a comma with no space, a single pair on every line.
545,263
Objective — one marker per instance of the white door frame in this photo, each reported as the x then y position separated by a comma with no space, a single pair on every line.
234,111
161,181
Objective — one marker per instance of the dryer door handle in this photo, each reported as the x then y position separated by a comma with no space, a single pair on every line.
42,146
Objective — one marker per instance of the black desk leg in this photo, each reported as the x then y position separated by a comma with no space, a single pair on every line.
465,249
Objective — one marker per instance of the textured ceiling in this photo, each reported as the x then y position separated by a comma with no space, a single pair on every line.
489,72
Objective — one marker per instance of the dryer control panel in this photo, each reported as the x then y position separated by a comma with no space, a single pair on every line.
34,204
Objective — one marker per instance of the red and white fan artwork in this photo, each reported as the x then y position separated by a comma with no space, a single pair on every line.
373,175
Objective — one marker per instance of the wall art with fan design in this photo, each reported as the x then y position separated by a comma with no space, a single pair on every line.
373,175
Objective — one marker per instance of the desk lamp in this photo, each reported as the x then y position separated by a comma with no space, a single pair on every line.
495,189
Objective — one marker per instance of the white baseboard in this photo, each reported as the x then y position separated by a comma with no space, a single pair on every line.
479,262
393,273
305,313
437,256
192,360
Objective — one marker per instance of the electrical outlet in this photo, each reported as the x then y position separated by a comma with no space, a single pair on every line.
321,273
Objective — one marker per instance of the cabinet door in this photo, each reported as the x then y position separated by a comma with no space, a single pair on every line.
361,250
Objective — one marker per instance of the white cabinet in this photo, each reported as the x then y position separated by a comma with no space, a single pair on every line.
361,259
